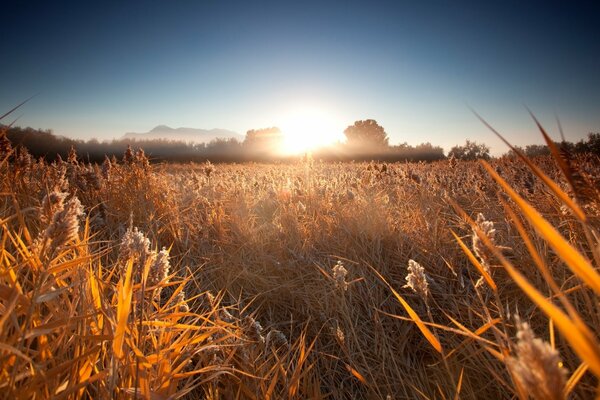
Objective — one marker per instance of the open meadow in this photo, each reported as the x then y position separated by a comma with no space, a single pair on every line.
443,280
223,200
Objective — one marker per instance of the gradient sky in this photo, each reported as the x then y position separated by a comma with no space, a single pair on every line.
105,69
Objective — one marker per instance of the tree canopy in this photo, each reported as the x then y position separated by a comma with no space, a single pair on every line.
470,151
366,133
262,136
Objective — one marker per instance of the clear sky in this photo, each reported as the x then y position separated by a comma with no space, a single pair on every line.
100,70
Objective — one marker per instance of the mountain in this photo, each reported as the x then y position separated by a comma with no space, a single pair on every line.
184,134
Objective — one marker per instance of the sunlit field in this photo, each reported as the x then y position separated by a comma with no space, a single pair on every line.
444,280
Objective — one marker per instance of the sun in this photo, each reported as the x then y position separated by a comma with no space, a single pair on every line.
307,129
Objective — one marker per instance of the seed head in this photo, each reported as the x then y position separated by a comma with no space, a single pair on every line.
72,157
134,245
340,334
141,159
128,156
537,366
5,145
479,247
417,279
159,270
52,203
180,300
106,168
64,226
253,329
339,275
276,339
208,169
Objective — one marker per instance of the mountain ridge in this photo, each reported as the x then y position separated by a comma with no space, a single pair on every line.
185,134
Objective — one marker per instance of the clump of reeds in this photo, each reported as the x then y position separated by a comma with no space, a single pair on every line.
62,221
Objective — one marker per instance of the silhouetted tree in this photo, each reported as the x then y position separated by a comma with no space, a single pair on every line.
262,143
531,150
262,136
534,150
367,133
592,145
470,151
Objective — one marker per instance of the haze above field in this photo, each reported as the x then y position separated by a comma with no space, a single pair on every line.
101,70
183,134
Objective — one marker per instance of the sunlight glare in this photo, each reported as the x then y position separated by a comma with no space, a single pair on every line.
307,129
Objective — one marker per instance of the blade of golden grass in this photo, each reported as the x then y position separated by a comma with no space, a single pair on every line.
475,262
577,334
271,388
461,332
555,151
459,384
123,307
96,298
551,332
413,315
82,384
540,174
300,370
543,268
572,258
68,264
582,341
478,332
356,374
575,378
476,337
539,262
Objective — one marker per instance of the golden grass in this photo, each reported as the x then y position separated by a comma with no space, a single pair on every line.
288,281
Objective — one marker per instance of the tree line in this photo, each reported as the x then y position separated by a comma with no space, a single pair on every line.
365,140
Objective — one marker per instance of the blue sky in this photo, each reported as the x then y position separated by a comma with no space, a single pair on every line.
100,70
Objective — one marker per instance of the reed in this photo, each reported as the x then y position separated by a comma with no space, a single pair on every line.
309,280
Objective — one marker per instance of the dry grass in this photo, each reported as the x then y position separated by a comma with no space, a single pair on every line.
290,281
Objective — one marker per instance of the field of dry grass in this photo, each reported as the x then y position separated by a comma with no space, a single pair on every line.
309,280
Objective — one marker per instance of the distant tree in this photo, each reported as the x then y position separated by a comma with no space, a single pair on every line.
266,140
470,151
367,133
570,147
512,154
591,145
533,150
427,151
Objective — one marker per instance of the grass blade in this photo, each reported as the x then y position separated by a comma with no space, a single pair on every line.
475,262
413,315
125,292
572,258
